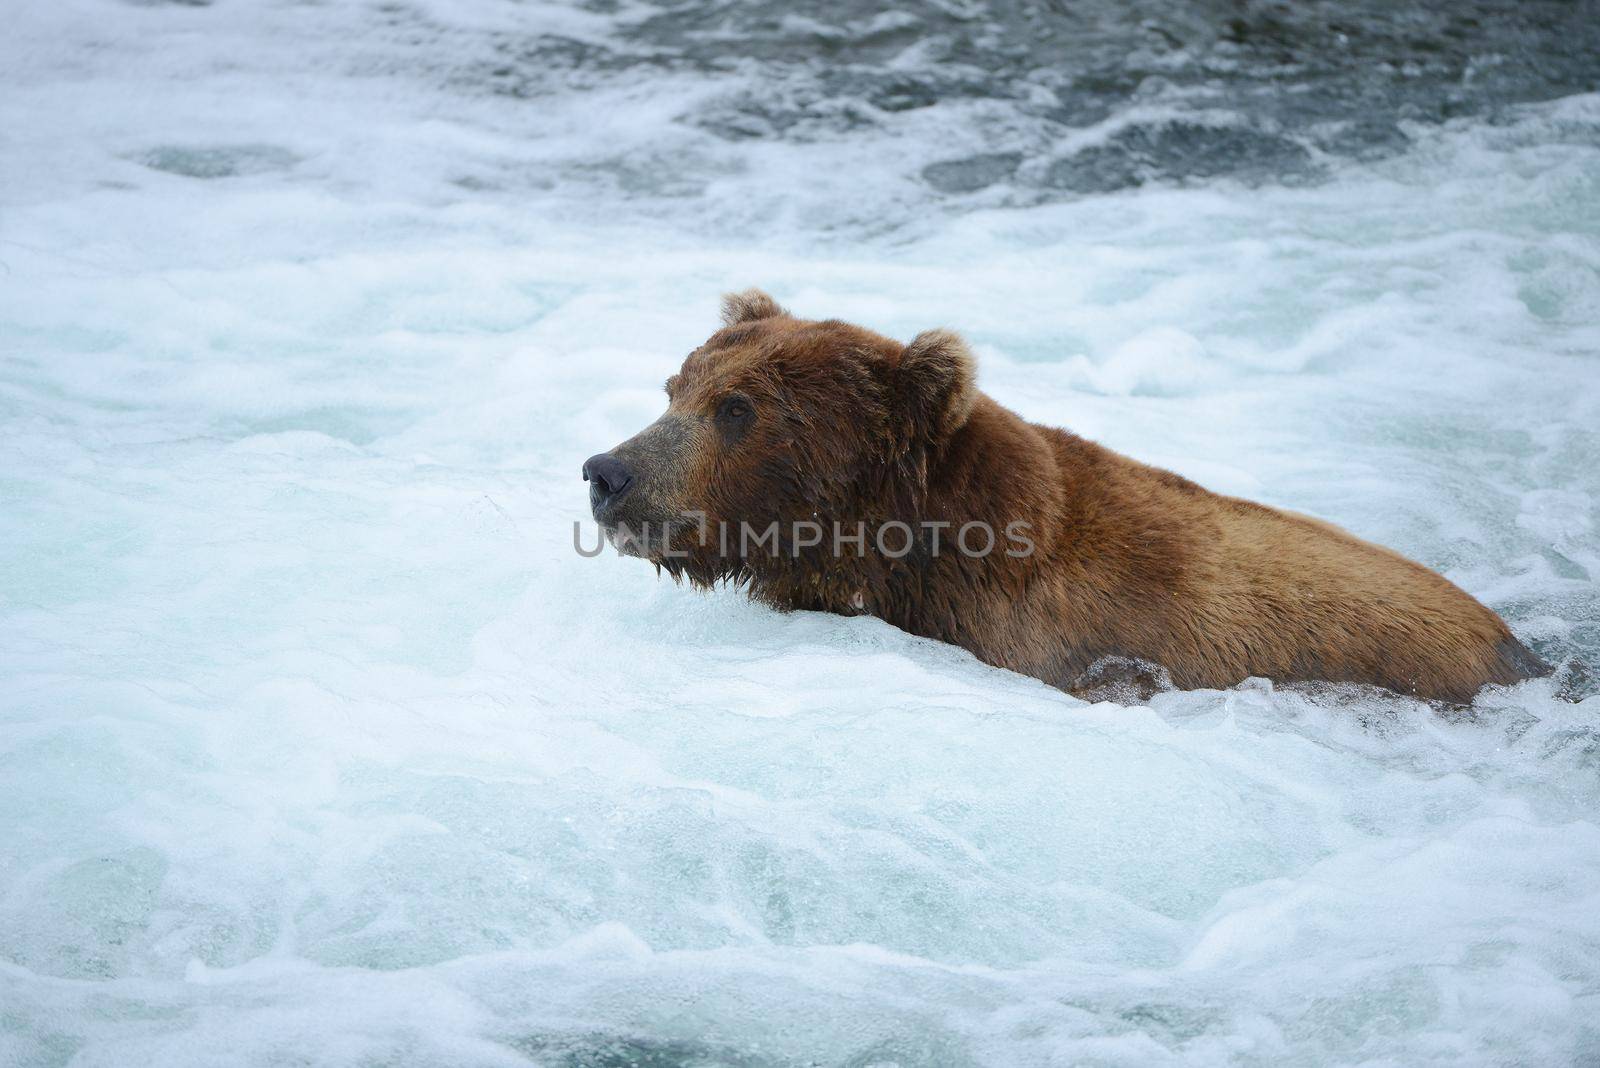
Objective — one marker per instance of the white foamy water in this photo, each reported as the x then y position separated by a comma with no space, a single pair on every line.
319,744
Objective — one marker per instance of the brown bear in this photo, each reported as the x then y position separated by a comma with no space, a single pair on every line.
827,467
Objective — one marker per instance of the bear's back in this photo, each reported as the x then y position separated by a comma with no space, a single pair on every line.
1217,589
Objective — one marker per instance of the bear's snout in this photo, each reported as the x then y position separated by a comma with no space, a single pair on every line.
609,478
640,482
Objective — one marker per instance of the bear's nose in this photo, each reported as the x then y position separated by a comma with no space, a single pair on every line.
608,478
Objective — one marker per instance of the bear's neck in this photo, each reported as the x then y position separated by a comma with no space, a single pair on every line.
921,542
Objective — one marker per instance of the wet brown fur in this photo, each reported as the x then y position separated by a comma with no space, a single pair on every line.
1129,560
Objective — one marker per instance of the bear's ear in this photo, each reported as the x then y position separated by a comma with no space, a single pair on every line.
938,382
751,304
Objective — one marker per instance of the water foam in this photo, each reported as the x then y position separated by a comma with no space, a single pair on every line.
319,743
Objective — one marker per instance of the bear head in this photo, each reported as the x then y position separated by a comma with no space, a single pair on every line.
777,419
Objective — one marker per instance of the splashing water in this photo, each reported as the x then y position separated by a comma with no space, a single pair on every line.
320,744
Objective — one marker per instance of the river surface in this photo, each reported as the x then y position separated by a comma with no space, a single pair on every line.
319,744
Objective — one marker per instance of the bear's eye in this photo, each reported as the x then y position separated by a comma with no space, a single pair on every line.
734,409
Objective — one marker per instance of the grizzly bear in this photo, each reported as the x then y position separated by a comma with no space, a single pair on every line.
827,467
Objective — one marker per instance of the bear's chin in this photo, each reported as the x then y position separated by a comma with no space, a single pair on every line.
650,541
628,543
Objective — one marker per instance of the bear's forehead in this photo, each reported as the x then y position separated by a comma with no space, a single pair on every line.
735,353
704,370
750,348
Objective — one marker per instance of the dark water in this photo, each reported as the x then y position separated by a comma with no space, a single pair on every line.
1062,98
